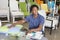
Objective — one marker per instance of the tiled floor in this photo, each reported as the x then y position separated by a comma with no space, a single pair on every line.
55,34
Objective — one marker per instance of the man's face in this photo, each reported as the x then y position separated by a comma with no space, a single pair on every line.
35,11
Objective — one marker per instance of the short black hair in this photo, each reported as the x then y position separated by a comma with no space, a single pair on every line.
33,7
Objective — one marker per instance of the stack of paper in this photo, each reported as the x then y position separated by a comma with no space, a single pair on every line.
3,29
19,26
13,31
36,35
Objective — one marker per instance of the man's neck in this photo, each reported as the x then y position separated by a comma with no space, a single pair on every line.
35,16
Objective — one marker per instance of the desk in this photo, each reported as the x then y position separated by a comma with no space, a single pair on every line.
3,37
52,23
21,36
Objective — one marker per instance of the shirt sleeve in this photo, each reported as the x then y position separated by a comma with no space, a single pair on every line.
42,20
27,19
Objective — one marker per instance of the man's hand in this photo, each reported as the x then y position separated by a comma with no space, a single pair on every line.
36,30
32,30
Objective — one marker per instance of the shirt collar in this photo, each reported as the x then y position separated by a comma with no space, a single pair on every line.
32,15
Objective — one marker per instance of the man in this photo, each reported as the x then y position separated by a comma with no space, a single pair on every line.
35,20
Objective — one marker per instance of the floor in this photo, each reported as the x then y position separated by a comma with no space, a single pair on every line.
54,36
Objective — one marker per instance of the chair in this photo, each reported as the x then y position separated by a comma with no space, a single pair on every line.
52,21
15,13
4,11
21,0
45,7
53,24
43,13
51,4
39,2
31,2
23,7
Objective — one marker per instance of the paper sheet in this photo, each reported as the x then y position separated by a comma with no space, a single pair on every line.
37,35
19,26
14,31
3,29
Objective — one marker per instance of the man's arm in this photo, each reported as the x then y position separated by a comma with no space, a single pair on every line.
21,21
18,22
37,29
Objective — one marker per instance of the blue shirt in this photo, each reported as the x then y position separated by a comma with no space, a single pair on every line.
34,22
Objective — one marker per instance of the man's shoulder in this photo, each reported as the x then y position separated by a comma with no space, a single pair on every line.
40,16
